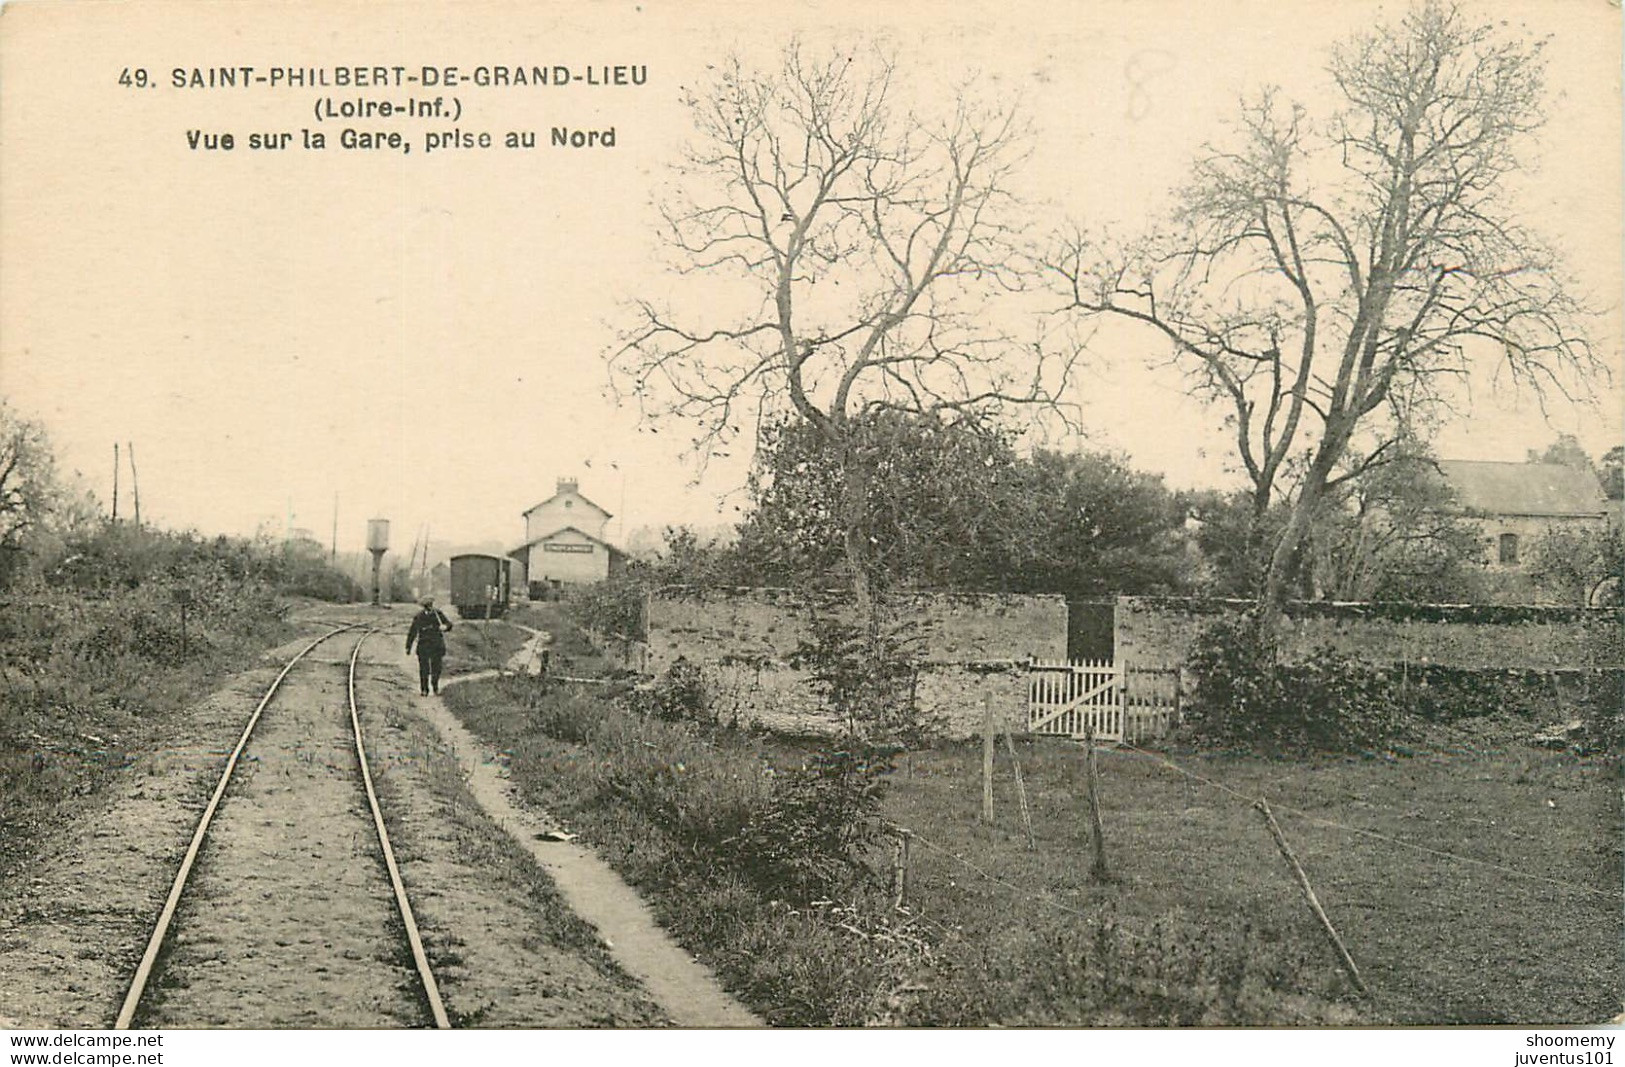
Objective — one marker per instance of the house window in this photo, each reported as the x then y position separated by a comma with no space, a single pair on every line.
1509,548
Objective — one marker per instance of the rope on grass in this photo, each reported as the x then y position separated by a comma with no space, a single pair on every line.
1374,835
1171,765
1575,886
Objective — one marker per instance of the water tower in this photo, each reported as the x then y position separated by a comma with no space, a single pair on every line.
377,544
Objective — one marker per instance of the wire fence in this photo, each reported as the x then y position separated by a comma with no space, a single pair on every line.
1538,884
1250,800
1331,824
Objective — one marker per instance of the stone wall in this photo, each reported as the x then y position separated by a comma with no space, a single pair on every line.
1159,632
975,646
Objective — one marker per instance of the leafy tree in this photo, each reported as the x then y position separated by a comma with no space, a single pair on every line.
1566,450
836,255
942,503
1395,536
1098,526
686,560
612,608
1611,470
1232,542
28,486
1390,535
952,506
1321,280
1583,566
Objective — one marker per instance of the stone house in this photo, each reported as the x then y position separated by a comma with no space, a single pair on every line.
564,542
1515,504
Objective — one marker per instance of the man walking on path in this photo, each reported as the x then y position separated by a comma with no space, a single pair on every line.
427,627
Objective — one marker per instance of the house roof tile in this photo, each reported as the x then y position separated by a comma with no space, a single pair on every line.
1539,489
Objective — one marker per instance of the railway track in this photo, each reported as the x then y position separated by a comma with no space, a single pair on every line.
288,922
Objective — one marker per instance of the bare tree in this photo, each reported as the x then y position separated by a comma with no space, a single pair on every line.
834,254
1321,284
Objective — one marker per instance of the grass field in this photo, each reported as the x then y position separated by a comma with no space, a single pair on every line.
1201,922
1439,940
481,645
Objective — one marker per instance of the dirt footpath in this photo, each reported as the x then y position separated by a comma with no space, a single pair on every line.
289,922
507,951
684,987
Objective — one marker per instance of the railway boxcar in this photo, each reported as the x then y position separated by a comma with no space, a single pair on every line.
480,585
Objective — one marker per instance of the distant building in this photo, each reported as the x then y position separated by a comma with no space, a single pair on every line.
564,542
1514,505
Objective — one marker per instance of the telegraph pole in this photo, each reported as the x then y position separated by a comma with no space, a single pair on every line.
135,485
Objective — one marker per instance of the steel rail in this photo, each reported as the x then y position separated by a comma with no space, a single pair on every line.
149,958
430,988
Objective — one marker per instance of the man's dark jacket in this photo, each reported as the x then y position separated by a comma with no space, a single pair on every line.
426,631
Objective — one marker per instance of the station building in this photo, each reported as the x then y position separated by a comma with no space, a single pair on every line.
564,543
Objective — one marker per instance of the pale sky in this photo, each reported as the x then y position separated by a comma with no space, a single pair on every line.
422,335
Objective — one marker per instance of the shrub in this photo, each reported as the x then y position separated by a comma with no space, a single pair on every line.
1237,697
808,840
561,714
1245,697
103,641
680,693
612,608
866,675
1332,702
764,867
1175,970
321,582
398,588
1602,711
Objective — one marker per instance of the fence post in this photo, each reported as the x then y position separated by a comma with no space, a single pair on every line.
987,760
1021,792
900,868
1098,871
1309,892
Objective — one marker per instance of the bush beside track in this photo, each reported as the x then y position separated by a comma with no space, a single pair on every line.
104,642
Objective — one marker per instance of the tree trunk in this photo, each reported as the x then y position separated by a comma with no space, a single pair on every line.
857,564
1285,561
854,508
1257,557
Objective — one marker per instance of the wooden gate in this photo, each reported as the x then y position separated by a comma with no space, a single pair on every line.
1119,703
1062,696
